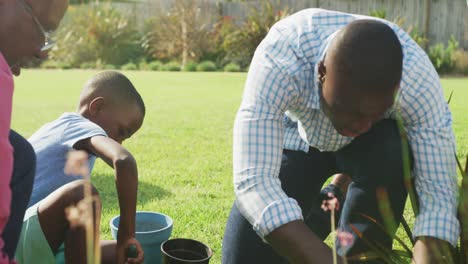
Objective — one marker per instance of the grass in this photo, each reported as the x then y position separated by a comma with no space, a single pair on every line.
184,149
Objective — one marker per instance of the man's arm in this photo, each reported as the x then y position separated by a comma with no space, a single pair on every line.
257,151
432,250
295,240
428,123
126,177
298,244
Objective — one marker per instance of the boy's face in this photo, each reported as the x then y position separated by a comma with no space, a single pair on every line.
120,121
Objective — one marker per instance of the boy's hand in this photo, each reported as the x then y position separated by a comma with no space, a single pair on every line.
332,197
123,249
126,178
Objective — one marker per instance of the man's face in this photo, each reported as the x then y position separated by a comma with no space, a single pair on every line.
351,113
30,22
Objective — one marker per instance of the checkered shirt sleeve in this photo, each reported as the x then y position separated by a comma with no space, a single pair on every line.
428,123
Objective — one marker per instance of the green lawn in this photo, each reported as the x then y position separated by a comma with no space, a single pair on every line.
184,147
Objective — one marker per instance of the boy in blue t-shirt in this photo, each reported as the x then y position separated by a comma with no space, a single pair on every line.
110,110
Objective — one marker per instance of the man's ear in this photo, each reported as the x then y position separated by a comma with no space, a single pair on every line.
96,106
322,71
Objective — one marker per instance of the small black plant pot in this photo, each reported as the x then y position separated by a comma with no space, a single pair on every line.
184,251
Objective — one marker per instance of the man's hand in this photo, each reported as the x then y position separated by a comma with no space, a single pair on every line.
332,198
123,248
298,244
432,250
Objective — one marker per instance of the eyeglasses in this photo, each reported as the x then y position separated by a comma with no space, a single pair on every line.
48,42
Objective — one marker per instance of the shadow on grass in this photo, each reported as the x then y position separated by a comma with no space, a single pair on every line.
105,184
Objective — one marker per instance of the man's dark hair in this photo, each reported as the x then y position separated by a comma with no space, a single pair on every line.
113,85
368,54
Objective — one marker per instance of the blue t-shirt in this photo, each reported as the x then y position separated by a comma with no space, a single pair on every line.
52,142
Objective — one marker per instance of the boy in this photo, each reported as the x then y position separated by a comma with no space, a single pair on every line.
110,110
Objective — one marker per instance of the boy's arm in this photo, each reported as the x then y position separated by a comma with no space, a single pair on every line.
126,177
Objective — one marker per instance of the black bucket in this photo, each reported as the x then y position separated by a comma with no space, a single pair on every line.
182,251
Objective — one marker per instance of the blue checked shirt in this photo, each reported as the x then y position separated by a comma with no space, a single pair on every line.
281,109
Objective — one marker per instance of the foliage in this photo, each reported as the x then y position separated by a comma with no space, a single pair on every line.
96,32
110,67
418,36
206,66
190,66
232,67
88,65
239,42
461,61
129,67
180,34
50,64
143,66
154,66
380,13
443,56
64,66
171,66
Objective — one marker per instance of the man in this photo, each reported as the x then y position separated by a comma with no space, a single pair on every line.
24,27
319,100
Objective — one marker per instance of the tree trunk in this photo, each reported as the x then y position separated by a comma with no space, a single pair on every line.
184,39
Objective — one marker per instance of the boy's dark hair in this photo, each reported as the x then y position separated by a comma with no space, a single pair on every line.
113,85
368,54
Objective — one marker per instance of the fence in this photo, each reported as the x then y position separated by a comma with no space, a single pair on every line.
438,19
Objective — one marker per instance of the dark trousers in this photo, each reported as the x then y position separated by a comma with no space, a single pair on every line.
373,160
21,183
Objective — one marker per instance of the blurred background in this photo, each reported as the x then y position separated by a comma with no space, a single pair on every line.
216,35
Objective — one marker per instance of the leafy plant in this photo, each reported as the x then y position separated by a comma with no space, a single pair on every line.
239,42
129,67
110,67
380,13
418,36
461,61
206,66
155,66
96,32
143,65
232,67
49,64
443,56
190,66
88,65
179,34
171,66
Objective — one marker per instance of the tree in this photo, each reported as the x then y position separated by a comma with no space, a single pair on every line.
181,33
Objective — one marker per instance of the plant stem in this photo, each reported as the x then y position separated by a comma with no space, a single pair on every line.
89,224
333,234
